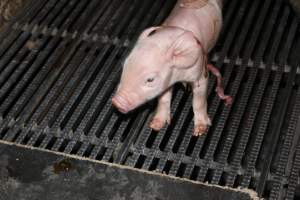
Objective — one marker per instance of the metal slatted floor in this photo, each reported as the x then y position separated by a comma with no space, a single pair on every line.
60,61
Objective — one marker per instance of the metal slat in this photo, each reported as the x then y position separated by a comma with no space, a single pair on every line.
281,171
139,22
43,13
57,80
283,108
84,110
60,58
80,90
115,142
247,130
231,32
7,41
22,73
29,91
34,138
175,133
73,13
254,108
179,97
289,136
13,50
93,7
31,12
263,123
212,109
40,85
22,89
26,12
293,181
234,124
105,18
25,135
132,136
55,12
222,120
104,7
272,55
228,16
177,130
77,76
220,126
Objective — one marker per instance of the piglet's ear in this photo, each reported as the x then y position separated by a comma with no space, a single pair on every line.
148,32
185,50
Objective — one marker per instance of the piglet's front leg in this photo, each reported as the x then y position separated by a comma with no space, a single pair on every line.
201,118
163,113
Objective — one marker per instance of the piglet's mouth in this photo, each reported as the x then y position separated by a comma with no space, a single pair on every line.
123,105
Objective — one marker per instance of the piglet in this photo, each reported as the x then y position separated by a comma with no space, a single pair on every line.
174,52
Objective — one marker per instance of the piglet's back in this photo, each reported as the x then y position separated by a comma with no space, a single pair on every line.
204,22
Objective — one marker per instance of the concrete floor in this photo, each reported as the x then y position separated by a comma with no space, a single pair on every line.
32,174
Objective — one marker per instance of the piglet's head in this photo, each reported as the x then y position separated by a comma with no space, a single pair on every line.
160,58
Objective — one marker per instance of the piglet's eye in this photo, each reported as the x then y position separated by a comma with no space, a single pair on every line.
150,80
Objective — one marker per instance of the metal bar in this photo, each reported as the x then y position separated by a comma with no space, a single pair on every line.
59,59
20,76
56,12
13,51
276,187
40,84
60,77
272,54
43,13
82,89
30,13
99,14
22,90
73,13
83,112
77,76
294,175
212,109
7,41
175,109
234,124
259,93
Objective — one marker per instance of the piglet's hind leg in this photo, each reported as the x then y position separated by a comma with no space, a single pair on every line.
163,113
201,118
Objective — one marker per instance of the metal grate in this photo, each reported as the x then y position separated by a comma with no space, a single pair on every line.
61,60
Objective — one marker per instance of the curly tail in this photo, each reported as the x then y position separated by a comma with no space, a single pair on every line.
219,89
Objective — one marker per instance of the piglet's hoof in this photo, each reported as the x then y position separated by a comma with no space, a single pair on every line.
200,129
157,123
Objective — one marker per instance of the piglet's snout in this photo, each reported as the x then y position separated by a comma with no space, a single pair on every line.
122,103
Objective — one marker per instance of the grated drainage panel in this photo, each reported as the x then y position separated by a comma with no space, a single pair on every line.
60,61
